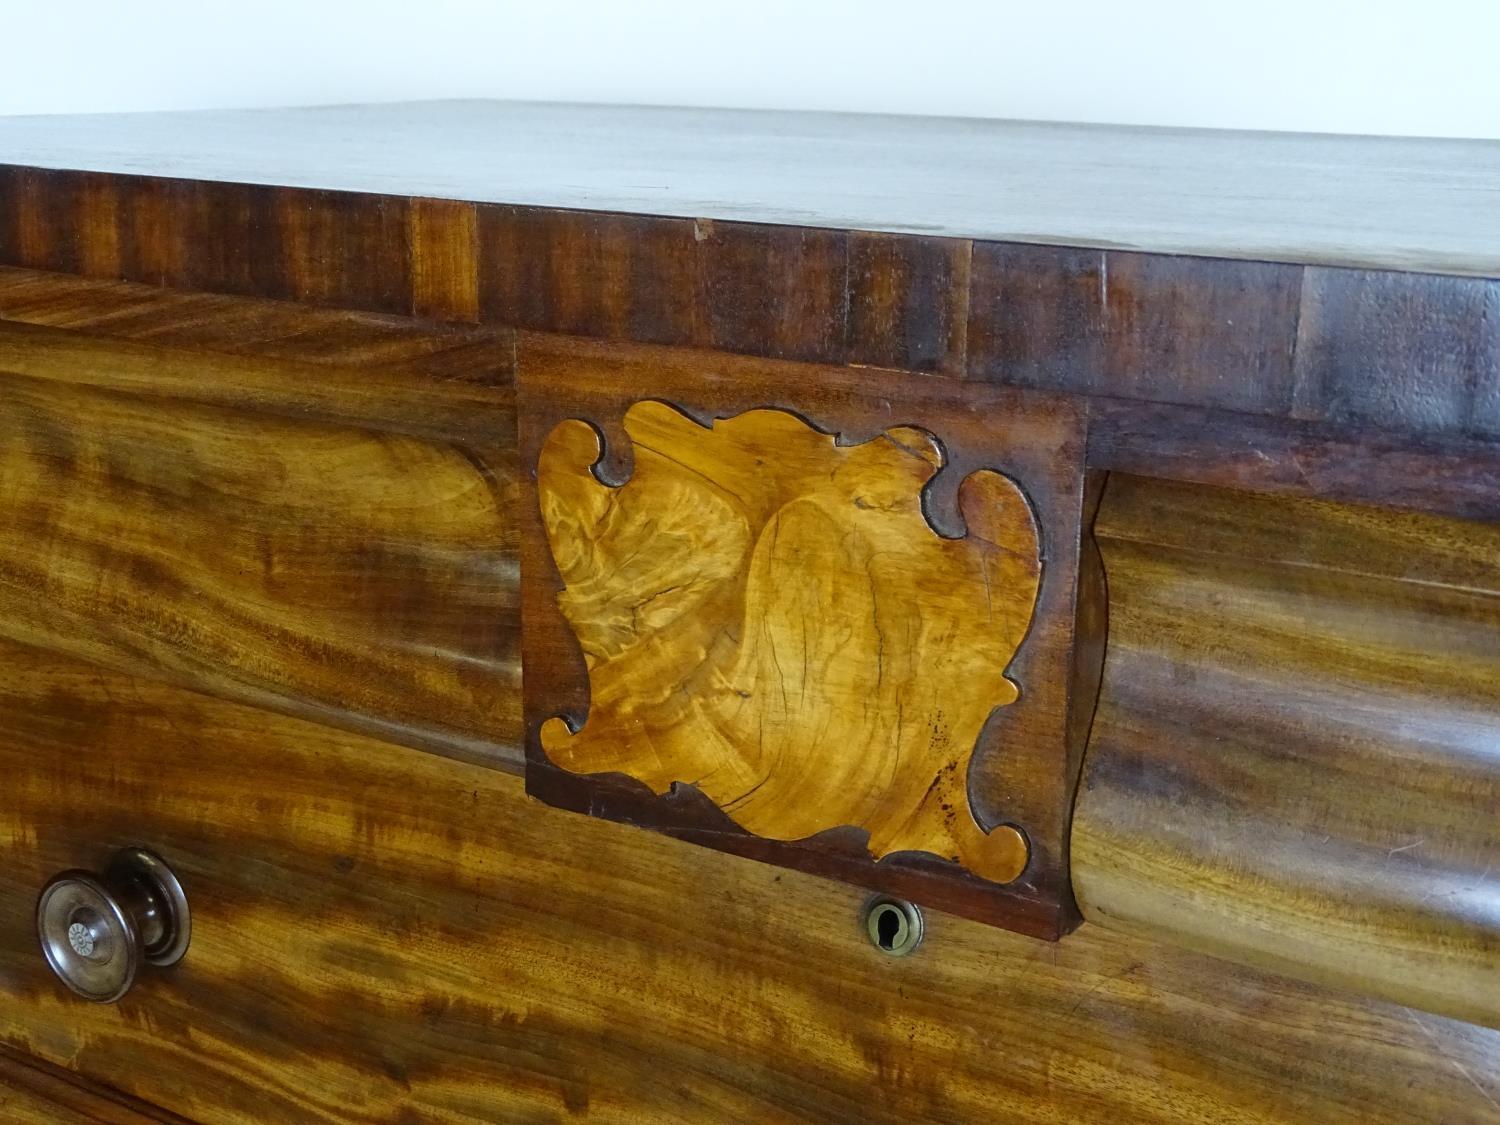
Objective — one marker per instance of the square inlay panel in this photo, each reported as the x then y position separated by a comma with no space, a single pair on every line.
838,619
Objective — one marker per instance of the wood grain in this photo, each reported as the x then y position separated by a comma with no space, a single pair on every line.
221,238
363,358
769,617
316,535
389,936
1453,477
45,221
1292,765
1033,317
629,277
1293,762
909,302
344,250
1193,331
33,1092
1372,349
1411,353
781,292
444,241
673,281
1022,767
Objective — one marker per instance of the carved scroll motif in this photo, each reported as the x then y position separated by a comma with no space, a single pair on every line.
767,615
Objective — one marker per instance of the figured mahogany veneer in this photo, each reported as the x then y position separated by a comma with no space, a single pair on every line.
1295,761
257,553
390,935
33,1092
301,508
246,369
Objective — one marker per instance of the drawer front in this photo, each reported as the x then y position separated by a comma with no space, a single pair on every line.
33,1092
386,935
306,510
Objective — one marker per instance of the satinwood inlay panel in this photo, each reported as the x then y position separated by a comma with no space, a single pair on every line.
767,614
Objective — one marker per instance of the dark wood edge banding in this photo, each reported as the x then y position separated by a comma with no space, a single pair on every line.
1408,352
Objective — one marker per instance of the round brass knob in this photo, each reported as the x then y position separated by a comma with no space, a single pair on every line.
97,929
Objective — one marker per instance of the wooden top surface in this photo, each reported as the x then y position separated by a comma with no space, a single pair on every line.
1399,203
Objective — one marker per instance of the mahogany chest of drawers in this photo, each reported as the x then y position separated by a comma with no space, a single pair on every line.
524,613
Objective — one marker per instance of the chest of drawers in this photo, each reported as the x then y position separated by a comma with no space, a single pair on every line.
569,592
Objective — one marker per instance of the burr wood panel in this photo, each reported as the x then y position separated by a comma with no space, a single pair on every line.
252,552
768,616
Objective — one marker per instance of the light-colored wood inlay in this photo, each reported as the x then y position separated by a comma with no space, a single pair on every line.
767,615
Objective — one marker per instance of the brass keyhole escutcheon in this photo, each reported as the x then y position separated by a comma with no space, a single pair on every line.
894,926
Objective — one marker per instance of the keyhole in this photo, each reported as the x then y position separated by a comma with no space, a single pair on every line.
894,926
889,925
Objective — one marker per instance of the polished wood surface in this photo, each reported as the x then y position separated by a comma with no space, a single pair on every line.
1408,352
1021,769
384,935
1294,761
314,518
768,615
1389,202
255,552
1415,353
33,1092
152,384
380,372
1311,459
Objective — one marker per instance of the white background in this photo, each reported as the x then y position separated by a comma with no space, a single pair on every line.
1376,66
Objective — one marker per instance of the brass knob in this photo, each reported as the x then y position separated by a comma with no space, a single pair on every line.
97,929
